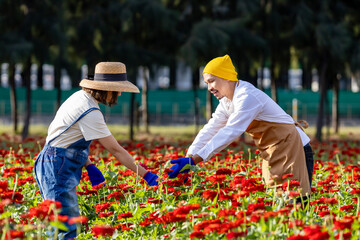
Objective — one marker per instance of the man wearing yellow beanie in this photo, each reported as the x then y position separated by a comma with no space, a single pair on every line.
283,145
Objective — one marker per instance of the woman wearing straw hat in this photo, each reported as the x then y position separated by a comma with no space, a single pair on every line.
283,145
58,167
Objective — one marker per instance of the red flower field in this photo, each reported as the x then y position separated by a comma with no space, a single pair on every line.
224,198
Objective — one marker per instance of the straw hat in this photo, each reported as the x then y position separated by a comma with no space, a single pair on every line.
110,76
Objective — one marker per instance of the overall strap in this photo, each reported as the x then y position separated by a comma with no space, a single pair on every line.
81,116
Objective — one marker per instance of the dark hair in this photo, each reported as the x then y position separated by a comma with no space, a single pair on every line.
101,95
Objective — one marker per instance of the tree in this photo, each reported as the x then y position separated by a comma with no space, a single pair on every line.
149,32
14,47
321,41
196,52
332,40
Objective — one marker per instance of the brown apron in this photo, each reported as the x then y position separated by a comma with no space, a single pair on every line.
282,150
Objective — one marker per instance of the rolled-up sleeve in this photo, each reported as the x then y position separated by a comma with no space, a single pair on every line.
246,108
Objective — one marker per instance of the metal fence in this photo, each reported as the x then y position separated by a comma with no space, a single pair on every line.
177,107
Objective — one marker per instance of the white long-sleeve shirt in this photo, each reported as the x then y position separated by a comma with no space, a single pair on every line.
232,118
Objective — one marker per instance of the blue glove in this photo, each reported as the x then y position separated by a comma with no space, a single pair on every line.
151,179
182,165
95,175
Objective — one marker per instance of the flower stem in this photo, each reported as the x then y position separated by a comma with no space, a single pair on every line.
15,184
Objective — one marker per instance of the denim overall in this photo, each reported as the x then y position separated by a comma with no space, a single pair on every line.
58,171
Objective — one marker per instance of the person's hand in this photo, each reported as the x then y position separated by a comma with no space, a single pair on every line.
181,165
151,179
95,175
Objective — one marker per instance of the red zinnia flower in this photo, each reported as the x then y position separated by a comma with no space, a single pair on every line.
355,191
125,215
287,176
201,225
213,227
223,171
315,232
234,235
290,184
4,203
345,236
344,223
102,230
216,178
3,186
117,195
79,219
347,207
226,212
255,206
297,237
323,213
197,234
327,200
186,209
102,207
210,194
153,200
61,218
145,223
294,194
106,214
297,223
14,234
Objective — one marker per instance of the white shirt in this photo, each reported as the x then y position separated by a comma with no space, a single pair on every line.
232,118
91,126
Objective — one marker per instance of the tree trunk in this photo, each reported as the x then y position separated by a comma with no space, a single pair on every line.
60,59
172,80
131,115
57,85
209,105
306,74
195,81
40,75
323,89
284,76
144,99
132,79
13,100
137,115
273,83
26,76
335,105
261,75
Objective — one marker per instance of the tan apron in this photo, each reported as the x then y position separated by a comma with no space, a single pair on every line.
282,150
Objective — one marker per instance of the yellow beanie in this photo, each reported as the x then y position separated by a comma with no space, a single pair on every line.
221,67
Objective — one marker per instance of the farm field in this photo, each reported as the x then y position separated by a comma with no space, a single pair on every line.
224,198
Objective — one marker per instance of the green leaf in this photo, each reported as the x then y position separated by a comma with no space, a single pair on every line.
59,225
111,174
5,215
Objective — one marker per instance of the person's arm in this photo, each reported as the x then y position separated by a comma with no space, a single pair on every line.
93,127
246,109
196,158
88,162
217,121
122,155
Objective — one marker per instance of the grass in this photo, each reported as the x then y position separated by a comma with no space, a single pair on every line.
175,133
